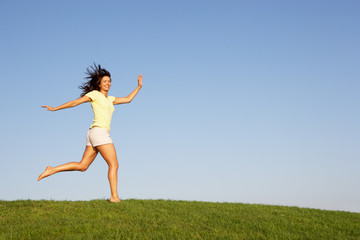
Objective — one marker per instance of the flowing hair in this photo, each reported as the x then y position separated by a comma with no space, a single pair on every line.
94,75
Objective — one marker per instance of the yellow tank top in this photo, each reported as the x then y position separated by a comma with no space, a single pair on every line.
103,109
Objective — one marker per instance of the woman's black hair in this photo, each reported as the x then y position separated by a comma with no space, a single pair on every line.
94,75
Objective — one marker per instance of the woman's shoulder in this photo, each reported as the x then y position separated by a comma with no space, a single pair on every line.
111,98
94,91
93,94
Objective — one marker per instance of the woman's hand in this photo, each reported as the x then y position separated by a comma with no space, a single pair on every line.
49,108
140,80
130,97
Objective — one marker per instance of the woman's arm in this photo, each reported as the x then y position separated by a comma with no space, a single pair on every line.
128,99
70,104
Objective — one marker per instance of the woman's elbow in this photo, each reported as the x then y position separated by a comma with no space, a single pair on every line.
122,100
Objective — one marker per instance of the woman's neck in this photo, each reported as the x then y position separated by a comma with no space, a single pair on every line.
105,93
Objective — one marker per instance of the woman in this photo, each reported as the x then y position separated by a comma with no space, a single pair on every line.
95,90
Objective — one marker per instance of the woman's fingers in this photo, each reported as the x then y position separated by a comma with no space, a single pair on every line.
140,79
48,108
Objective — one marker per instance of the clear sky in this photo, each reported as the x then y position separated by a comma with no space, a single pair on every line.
243,101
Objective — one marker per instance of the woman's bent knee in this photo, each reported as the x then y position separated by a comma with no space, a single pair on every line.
83,168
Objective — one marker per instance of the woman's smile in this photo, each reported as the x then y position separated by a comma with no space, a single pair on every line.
105,83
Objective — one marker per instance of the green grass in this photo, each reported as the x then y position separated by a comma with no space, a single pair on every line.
160,219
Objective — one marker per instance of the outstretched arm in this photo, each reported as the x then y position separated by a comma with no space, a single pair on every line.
128,99
70,104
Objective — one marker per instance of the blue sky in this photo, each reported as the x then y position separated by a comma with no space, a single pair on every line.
243,101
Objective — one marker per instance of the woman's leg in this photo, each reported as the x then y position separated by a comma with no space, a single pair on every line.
108,152
88,157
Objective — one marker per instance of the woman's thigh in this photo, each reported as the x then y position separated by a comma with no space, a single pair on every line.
108,152
89,156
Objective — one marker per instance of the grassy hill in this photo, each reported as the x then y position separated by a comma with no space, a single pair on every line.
161,219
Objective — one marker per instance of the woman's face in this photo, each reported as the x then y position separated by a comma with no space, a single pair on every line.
105,84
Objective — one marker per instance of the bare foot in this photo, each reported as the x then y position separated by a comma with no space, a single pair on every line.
46,173
115,200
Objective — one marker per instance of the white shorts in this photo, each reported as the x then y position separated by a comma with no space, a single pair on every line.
97,136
